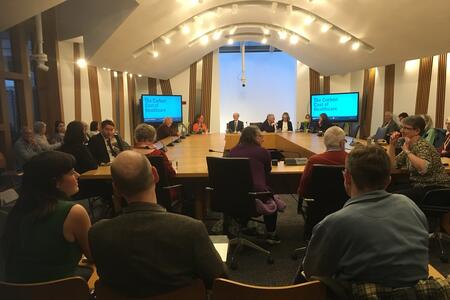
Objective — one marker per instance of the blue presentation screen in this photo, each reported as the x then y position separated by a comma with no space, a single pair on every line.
157,107
340,107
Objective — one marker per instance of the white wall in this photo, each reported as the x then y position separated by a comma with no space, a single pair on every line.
180,86
302,97
66,80
215,120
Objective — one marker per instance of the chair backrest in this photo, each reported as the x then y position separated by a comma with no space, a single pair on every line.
158,162
73,288
439,139
436,200
194,291
327,190
3,217
257,124
224,289
380,134
231,179
353,129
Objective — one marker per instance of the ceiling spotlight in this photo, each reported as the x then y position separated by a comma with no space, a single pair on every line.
155,54
131,75
198,20
232,30
115,74
167,40
139,75
265,30
185,29
309,20
126,72
344,39
217,34
325,28
230,41
274,7
355,45
204,40
104,68
293,39
81,62
234,9
264,40
282,34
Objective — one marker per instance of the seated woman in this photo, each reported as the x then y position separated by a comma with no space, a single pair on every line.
306,124
93,129
40,128
324,123
58,135
199,127
285,124
445,151
429,133
45,234
144,136
75,144
423,162
250,146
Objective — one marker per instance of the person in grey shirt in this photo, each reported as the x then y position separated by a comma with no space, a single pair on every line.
25,147
40,128
377,237
147,251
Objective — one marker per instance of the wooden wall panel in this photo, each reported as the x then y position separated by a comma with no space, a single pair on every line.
94,93
77,81
132,105
314,82
326,84
423,85
192,91
5,133
165,86
367,102
152,86
389,84
121,97
114,96
207,87
440,92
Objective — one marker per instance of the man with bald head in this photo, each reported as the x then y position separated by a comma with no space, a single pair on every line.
235,125
147,251
166,129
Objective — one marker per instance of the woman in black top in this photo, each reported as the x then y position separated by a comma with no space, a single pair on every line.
285,123
324,123
74,143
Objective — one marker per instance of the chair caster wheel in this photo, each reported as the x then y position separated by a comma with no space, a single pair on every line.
444,258
270,260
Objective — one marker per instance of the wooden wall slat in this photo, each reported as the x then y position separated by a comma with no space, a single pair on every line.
114,95
94,93
132,104
121,95
326,84
367,102
165,86
389,84
440,92
192,91
152,86
77,81
206,87
5,133
423,85
314,82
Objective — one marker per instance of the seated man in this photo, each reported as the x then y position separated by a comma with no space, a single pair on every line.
235,125
377,237
389,124
269,124
166,129
106,145
334,140
147,251
25,147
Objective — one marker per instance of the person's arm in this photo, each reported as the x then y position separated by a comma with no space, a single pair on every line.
76,228
86,161
399,160
208,264
420,160
93,148
304,180
170,170
323,252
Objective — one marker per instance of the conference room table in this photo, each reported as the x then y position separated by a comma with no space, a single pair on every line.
188,157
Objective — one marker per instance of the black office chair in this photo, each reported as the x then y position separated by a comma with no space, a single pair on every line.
353,129
230,191
326,195
435,204
257,124
169,195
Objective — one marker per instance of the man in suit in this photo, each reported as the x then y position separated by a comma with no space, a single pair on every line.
269,124
147,251
166,129
235,125
106,145
389,124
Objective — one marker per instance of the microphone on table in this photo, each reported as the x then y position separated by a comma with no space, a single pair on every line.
217,151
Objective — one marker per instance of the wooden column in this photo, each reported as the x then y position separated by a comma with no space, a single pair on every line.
206,87
94,93
367,102
389,84
77,81
192,91
440,93
423,85
121,97
152,86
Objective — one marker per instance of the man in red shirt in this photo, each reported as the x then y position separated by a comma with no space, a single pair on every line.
334,140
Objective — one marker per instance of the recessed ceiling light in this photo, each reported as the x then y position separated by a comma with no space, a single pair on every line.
139,75
233,30
115,74
185,29
344,39
81,62
293,39
266,30
282,34
309,20
264,40
355,45
230,41
325,27
217,34
167,40
155,54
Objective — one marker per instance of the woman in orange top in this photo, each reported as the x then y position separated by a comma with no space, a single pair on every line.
199,127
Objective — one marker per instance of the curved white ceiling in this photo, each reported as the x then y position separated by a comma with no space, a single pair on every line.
397,30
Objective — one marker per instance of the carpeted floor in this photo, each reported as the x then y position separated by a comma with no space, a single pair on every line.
253,268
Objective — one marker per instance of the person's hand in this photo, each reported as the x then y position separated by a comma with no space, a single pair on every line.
394,137
406,144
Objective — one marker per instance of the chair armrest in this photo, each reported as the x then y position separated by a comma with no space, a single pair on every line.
260,193
170,187
209,189
308,200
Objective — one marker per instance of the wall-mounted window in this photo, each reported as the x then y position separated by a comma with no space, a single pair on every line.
13,108
6,45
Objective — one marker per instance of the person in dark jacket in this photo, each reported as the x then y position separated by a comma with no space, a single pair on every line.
324,123
235,125
269,124
107,144
285,124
